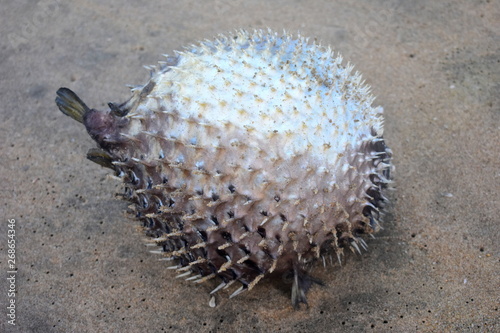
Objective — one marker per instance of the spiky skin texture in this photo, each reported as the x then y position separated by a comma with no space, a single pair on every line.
251,154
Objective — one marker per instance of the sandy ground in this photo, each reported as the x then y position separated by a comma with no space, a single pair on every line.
82,266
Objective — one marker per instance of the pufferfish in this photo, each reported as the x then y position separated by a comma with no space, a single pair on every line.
249,154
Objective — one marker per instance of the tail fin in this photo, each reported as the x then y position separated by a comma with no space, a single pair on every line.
70,104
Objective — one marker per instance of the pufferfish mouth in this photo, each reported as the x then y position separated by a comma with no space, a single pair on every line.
246,155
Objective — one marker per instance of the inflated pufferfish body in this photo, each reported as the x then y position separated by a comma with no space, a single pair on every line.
250,154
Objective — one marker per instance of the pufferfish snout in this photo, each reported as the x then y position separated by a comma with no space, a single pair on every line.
250,154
